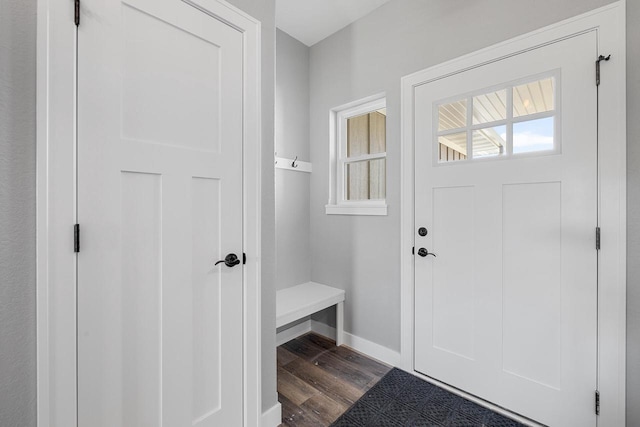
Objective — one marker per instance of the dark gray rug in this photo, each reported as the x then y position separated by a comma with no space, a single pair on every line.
403,400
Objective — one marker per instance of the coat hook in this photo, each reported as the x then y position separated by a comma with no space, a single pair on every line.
293,164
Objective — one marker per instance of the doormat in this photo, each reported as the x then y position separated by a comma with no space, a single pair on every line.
402,399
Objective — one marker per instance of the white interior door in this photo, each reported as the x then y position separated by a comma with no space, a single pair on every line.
159,202
506,186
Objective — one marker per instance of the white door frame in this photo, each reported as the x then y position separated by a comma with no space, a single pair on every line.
56,209
609,23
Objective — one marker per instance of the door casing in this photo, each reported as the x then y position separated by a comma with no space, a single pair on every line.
609,23
56,209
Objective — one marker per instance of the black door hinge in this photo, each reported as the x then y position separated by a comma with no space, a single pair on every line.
597,238
244,258
413,250
76,12
597,402
598,61
76,238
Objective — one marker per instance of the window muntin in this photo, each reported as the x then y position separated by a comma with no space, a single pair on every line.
514,119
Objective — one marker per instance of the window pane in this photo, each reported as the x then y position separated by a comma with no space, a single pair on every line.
533,135
358,135
452,147
452,116
489,141
366,134
490,107
366,180
534,97
377,132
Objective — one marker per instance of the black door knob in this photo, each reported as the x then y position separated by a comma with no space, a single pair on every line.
422,231
230,260
423,252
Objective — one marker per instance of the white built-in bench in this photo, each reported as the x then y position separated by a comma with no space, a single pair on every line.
303,300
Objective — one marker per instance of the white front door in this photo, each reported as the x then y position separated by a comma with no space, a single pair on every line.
506,189
160,117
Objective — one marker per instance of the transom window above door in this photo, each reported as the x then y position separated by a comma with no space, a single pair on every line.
514,119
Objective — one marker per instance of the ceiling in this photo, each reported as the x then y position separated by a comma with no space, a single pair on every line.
313,20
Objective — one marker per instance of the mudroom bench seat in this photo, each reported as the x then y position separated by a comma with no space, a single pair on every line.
303,300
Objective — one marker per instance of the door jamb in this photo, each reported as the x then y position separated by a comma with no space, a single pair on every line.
609,22
56,209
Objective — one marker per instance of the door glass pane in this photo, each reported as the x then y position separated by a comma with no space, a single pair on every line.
534,97
489,141
527,109
366,180
533,135
490,107
452,147
453,115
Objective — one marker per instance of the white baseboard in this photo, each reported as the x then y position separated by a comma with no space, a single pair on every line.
293,332
371,349
272,417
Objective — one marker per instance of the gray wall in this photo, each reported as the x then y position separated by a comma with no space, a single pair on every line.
633,213
293,261
17,213
292,97
362,254
17,207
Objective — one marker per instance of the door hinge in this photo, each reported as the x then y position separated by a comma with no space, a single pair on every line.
76,12
244,258
598,61
76,238
413,250
597,402
597,238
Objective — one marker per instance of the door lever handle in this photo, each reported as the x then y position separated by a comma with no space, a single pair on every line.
230,260
423,252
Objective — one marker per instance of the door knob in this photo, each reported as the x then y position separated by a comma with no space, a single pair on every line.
230,260
423,252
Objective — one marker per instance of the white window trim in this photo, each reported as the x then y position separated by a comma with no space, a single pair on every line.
338,205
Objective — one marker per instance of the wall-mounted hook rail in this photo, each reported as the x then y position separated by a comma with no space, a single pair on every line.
292,164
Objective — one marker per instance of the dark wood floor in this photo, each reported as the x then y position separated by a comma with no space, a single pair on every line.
318,381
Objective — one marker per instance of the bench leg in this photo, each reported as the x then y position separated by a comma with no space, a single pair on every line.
340,323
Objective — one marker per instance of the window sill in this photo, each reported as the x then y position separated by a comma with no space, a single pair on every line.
355,209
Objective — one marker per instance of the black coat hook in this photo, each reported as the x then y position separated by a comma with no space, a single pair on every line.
293,164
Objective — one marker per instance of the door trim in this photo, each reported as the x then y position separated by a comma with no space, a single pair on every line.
609,23
56,209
